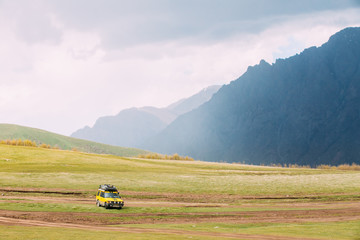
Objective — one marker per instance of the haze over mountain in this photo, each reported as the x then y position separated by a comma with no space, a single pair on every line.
132,127
303,109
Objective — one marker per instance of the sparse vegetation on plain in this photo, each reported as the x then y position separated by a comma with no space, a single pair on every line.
47,168
175,156
173,196
352,167
25,143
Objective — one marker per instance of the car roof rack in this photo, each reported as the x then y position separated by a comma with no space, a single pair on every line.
107,187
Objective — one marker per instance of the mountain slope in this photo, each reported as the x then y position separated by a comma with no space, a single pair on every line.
9,131
133,127
187,104
128,128
304,110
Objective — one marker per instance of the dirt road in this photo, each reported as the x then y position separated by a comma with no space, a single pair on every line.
281,213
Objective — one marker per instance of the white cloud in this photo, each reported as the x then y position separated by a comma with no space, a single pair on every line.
31,21
68,76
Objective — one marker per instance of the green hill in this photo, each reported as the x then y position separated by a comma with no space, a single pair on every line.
10,131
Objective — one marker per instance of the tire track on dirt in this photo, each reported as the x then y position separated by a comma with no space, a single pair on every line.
300,212
239,217
193,197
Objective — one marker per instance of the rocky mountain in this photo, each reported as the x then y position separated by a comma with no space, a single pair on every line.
133,127
304,109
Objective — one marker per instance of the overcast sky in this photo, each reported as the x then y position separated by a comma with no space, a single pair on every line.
64,63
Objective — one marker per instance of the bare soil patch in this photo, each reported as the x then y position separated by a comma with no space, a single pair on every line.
177,197
349,211
301,212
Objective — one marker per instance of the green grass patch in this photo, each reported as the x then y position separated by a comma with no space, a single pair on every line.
76,207
48,233
330,230
46,168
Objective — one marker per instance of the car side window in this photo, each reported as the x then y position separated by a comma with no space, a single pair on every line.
102,194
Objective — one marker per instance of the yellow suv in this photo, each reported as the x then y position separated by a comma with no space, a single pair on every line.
108,196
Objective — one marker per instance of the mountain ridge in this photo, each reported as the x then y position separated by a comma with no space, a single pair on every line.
300,110
134,126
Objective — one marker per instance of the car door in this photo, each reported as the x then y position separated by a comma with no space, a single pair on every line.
102,198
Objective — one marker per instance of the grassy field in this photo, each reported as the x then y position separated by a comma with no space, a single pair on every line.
324,231
41,233
10,131
28,167
180,199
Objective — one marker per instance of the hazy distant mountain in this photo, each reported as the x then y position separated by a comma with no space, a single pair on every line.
304,110
128,129
133,127
187,104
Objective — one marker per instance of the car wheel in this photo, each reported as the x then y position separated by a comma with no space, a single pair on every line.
106,206
97,203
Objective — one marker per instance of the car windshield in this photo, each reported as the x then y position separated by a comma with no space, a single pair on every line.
111,195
